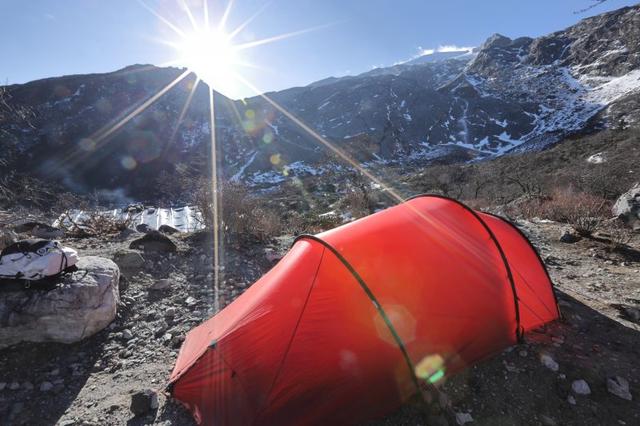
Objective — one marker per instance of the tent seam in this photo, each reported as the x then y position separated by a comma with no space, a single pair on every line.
498,246
293,336
373,299
537,253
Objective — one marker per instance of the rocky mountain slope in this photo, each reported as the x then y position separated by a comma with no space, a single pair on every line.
522,94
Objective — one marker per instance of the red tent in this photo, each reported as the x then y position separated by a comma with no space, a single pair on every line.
351,322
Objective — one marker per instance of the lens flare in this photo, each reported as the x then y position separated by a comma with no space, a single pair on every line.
431,369
210,54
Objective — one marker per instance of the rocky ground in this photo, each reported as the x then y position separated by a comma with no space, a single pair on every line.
582,370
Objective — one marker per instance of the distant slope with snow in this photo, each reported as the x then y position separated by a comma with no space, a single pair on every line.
447,105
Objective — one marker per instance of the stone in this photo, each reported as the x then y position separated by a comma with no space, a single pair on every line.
571,400
143,227
160,285
548,421
627,207
166,229
569,236
126,233
628,312
191,301
3,385
46,386
463,418
154,241
143,402
39,230
619,386
580,387
549,362
129,261
176,341
14,386
127,334
82,304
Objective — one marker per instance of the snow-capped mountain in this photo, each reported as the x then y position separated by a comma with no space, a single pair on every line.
505,95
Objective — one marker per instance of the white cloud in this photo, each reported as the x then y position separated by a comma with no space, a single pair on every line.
446,48
424,52
443,48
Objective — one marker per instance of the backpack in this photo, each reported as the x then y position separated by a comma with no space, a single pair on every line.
36,259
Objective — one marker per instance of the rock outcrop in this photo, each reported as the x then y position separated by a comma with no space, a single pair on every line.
82,304
627,207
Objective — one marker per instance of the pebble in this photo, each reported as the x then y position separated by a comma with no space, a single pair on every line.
160,285
3,385
14,386
619,386
463,418
127,334
143,402
580,387
549,362
191,301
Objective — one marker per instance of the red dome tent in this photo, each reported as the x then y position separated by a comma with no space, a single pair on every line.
351,322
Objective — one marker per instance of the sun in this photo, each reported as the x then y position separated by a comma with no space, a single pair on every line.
210,54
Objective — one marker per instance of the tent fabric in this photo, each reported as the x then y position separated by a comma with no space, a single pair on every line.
353,321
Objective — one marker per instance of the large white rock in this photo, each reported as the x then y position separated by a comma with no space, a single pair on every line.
627,207
83,304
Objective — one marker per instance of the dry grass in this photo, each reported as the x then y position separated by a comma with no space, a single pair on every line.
585,212
243,216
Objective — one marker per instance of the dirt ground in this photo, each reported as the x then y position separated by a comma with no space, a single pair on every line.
598,338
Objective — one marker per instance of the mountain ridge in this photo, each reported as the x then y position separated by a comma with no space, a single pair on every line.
507,95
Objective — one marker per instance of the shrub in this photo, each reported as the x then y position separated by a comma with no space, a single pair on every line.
585,212
619,234
357,202
241,216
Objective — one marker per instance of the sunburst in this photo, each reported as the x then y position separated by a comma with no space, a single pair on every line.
213,54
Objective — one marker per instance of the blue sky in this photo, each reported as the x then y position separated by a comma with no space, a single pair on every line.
43,38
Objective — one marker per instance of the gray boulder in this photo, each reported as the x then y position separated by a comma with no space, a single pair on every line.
154,241
129,261
167,229
82,304
627,207
143,228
